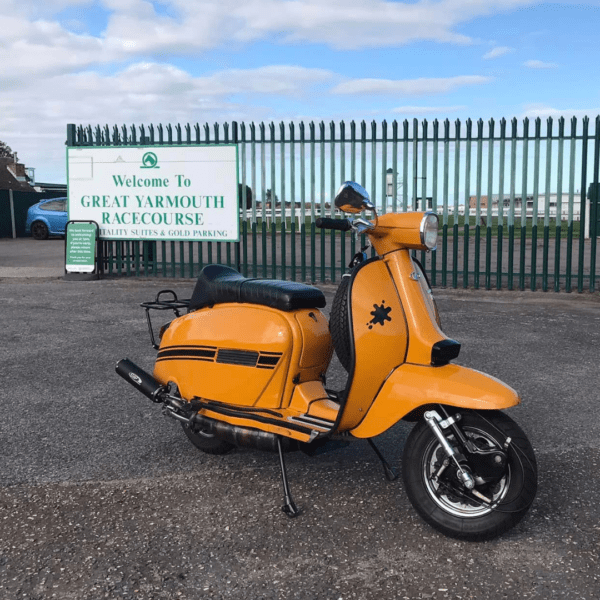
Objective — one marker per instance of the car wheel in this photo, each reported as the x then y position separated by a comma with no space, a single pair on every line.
39,231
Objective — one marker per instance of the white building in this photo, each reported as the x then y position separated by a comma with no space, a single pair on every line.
552,200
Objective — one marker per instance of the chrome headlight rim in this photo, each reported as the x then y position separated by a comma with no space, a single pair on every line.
425,228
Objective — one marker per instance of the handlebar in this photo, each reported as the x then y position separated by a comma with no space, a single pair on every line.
340,224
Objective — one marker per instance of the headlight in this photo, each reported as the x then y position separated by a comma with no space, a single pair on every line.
429,230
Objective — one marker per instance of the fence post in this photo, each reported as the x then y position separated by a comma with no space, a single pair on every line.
241,197
71,134
12,213
524,204
583,208
594,225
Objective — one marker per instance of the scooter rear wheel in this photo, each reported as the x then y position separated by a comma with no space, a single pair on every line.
207,442
444,503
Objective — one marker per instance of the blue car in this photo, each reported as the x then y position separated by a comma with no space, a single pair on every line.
48,217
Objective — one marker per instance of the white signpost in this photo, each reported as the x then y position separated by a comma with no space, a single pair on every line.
156,193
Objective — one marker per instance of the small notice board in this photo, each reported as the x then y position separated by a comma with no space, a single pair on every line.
81,250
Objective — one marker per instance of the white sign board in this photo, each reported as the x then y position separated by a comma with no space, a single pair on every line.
156,193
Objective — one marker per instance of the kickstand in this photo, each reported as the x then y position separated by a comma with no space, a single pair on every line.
390,474
289,508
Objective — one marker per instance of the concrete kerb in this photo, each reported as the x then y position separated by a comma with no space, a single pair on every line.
31,272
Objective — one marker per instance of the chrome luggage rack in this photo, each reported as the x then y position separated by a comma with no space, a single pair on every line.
173,303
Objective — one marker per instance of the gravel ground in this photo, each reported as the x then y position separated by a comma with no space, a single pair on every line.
102,497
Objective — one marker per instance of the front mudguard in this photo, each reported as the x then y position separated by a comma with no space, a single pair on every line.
410,386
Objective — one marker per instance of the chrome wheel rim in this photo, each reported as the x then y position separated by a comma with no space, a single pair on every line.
453,503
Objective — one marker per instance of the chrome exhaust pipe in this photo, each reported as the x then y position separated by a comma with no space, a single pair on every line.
244,436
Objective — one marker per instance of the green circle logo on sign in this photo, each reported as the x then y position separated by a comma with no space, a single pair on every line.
149,161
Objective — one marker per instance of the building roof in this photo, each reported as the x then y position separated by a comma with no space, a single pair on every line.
13,176
50,187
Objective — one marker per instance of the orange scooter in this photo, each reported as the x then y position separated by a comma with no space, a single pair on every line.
245,366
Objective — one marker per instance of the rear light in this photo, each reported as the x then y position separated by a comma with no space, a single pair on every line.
163,329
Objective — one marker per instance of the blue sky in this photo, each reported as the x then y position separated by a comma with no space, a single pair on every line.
125,61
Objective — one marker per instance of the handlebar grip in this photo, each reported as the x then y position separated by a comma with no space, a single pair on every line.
340,224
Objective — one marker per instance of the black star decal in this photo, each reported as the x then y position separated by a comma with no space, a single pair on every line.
380,315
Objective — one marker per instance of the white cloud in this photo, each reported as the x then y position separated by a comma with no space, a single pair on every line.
533,111
351,24
166,80
50,75
427,110
33,117
408,87
135,29
150,92
538,64
497,52
354,23
277,79
44,48
35,9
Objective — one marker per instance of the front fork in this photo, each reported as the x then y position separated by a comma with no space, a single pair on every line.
436,423
490,462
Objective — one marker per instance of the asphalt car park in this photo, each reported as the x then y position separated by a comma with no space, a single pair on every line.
102,497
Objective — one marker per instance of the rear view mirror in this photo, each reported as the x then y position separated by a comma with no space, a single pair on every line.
353,198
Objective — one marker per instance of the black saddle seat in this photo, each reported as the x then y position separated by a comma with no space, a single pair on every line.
218,284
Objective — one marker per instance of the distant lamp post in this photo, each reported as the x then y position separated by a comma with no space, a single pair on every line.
390,191
416,197
389,180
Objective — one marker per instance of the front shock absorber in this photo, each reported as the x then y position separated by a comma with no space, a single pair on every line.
433,419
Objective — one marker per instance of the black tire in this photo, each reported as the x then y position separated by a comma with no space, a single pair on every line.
39,230
207,442
462,515
339,325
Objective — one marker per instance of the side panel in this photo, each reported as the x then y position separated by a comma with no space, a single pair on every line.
228,353
317,347
411,386
246,355
380,338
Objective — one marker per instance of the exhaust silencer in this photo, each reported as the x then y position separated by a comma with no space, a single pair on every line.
244,436
140,380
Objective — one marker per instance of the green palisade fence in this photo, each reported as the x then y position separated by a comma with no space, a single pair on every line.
513,198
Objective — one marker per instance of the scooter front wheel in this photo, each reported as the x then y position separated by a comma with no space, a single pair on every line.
495,504
207,442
